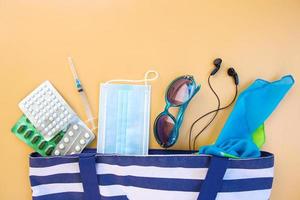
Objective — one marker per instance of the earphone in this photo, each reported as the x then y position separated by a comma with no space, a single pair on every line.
232,73
217,63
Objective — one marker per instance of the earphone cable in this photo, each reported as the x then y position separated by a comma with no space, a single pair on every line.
216,110
194,123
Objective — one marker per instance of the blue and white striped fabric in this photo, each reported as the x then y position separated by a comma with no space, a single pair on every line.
156,176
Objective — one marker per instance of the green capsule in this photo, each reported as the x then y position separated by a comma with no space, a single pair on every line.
49,150
21,128
57,138
27,120
35,139
42,144
28,134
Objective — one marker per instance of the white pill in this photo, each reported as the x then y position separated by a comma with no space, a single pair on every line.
61,123
49,133
53,123
54,115
61,146
62,108
66,112
77,148
51,118
66,140
87,135
43,125
61,115
56,152
49,126
82,141
65,119
46,129
69,116
57,126
72,153
75,127
71,133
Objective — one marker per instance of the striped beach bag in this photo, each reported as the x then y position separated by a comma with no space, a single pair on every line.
161,175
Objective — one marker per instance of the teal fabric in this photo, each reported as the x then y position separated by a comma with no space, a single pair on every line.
253,106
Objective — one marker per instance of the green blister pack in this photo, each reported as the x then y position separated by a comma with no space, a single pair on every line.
26,132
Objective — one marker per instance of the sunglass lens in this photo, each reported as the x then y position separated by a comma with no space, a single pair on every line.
180,91
164,126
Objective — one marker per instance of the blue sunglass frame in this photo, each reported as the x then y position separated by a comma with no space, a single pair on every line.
179,118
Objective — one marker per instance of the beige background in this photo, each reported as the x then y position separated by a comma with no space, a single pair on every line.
122,39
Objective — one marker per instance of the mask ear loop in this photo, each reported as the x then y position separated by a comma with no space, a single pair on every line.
147,74
145,80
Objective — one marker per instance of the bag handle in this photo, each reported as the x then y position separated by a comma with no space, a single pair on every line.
209,189
214,178
88,175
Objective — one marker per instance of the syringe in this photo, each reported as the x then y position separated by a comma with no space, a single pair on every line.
82,94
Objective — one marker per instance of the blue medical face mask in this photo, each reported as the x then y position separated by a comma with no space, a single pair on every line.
124,117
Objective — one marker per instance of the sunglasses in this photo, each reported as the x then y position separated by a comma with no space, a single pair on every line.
179,94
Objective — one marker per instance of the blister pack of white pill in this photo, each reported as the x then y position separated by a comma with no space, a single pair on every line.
77,137
50,114
47,110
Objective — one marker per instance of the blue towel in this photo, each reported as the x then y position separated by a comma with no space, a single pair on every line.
253,106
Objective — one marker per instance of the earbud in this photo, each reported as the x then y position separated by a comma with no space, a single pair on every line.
217,64
232,72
